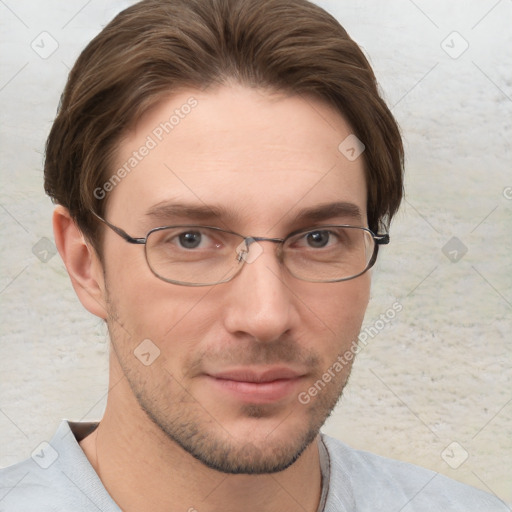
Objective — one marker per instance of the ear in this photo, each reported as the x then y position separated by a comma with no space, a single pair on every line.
81,261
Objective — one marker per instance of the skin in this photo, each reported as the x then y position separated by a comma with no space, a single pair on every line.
173,437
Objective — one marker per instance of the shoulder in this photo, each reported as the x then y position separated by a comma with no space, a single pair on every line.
56,477
26,486
371,482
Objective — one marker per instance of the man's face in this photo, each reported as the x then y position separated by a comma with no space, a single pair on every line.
261,160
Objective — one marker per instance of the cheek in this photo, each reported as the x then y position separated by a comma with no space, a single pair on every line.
146,306
344,299
340,308
352,298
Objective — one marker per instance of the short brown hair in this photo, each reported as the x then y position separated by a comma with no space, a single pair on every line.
156,47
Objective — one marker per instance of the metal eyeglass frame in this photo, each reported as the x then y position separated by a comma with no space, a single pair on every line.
382,239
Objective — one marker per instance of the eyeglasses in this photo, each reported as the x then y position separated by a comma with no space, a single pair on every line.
191,255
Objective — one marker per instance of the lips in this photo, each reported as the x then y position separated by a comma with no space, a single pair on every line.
257,386
254,376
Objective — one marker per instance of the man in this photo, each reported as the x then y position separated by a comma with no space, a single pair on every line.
225,172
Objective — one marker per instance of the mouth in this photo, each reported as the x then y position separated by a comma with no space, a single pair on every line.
257,386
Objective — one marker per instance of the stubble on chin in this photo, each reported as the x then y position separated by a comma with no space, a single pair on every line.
204,434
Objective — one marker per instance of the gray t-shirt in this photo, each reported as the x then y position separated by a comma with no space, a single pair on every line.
58,477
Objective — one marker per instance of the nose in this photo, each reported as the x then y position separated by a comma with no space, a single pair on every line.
259,301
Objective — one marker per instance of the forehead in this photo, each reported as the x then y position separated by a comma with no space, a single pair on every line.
261,156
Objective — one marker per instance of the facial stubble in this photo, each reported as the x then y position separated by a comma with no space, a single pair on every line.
193,425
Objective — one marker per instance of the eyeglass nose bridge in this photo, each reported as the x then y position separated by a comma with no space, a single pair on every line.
243,249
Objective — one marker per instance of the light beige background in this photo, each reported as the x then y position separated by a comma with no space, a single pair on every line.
439,373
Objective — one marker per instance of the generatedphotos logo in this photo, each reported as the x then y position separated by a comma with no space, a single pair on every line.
151,142
347,357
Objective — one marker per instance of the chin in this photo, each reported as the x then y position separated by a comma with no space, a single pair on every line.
257,457
258,443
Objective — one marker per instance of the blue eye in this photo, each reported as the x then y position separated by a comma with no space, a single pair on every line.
318,239
190,239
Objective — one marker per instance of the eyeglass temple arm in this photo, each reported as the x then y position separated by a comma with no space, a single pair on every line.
381,239
123,234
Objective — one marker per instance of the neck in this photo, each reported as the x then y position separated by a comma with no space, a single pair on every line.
143,469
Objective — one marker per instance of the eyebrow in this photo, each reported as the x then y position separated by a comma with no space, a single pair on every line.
330,210
168,210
